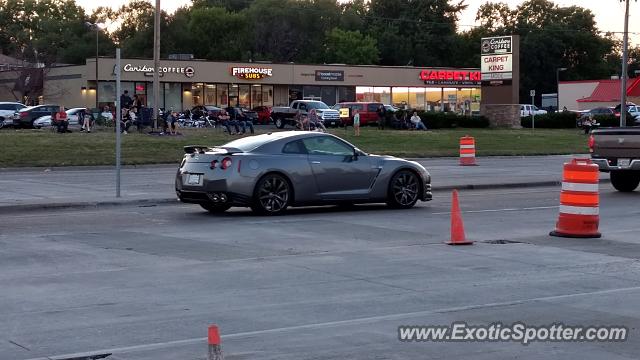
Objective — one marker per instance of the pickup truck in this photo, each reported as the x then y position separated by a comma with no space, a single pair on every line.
528,110
617,151
283,115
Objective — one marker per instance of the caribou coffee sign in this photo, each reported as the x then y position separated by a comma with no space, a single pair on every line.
497,60
251,73
450,77
187,71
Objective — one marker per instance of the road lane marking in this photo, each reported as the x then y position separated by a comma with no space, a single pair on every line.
501,210
358,321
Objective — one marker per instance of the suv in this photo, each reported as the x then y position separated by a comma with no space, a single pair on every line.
7,109
368,112
26,116
528,110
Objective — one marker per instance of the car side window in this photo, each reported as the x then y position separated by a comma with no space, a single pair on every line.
326,145
372,107
303,107
294,147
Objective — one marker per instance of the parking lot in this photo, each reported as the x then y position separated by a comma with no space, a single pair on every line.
144,282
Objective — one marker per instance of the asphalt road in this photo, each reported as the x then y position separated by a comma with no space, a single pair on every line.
58,186
319,283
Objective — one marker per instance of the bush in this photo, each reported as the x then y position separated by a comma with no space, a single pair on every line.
557,120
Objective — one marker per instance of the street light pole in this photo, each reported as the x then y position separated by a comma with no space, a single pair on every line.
96,27
625,60
156,65
558,87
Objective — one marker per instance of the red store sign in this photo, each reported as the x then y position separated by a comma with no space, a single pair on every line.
450,77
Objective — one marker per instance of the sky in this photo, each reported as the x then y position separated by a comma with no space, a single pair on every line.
609,13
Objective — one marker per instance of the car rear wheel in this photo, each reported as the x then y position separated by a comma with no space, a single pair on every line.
625,181
404,190
215,208
279,123
272,195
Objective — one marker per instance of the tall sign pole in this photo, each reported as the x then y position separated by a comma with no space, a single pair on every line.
156,65
118,119
625,60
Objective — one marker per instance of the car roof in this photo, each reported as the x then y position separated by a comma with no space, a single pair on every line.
10,102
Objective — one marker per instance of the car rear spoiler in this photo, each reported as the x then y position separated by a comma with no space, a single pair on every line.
201,149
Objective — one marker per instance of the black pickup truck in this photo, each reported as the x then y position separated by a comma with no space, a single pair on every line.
617,151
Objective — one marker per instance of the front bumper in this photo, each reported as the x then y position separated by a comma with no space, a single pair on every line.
607,165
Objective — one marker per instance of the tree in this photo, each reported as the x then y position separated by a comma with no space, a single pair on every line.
350,47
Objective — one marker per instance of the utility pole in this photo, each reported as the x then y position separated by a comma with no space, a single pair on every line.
118,119
625,61
156,65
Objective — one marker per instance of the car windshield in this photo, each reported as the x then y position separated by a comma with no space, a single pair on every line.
317,105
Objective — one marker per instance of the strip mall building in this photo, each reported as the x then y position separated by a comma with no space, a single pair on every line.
186,83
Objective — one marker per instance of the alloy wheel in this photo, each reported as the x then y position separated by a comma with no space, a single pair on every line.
405,189
273,194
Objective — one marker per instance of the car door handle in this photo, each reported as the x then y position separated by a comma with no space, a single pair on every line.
315,162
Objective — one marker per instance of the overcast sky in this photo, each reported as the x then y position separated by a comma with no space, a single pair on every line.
609,13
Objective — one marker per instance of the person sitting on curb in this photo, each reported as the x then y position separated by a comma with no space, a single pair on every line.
61,120
417,122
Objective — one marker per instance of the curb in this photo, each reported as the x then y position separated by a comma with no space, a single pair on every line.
4,209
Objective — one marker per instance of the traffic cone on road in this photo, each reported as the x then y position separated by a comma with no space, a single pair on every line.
457,226
579,201
215,348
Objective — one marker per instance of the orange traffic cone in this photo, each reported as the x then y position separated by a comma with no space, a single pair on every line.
215,347
457,226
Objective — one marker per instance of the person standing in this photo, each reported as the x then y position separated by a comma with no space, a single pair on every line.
356,123
382,114
125,100
86,122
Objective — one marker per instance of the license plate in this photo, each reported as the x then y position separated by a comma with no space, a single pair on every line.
624,162
194,179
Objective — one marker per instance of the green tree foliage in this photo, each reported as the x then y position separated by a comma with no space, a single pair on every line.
46,31
220,34
350,47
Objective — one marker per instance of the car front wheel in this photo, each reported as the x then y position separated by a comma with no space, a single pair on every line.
625,181
272,195
279,123
404,190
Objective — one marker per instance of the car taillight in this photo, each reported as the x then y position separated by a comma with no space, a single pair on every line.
592,142
213,164
226,163
24,114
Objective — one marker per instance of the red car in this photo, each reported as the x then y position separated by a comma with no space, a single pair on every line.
264,115
367,110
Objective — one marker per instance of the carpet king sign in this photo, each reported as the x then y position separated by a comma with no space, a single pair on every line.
497,60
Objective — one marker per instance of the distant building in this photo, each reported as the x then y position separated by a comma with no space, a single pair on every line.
589,94
9,63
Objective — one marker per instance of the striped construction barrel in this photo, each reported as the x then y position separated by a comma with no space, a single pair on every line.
467,151
579,201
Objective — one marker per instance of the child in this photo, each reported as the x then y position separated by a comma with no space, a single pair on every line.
356,123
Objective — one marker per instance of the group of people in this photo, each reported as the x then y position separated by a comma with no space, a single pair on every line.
131,111
309,121
231,117
60,120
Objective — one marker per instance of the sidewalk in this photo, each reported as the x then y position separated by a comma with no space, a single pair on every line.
39,188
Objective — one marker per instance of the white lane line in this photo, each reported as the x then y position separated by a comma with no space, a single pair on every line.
359,321
501,210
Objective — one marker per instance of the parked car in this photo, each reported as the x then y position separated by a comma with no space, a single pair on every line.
367,110
26,116
528,110
284,115
390,108
632,109
7,110
72,115
264,114
599,111
270,172
617,151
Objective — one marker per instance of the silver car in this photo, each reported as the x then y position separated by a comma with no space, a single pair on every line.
272,171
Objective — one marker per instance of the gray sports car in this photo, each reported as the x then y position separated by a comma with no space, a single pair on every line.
272,171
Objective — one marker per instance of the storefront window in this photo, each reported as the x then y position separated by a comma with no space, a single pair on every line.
267,95
417,98
295,93
148,101
312,92
374,94
346,94
210,94
233,95
197,94
107,93
222,91
400,97
173,96
329,95
244,96
256,95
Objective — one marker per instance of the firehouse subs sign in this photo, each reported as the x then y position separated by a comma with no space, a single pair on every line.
251,73
450,77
